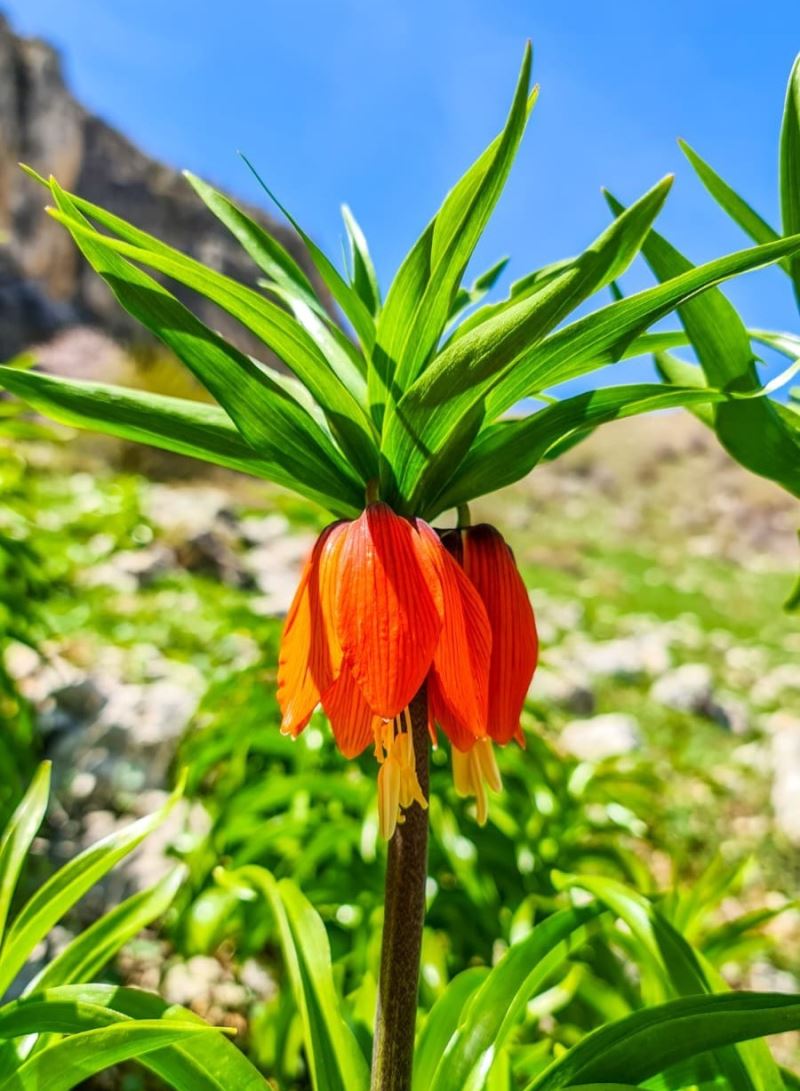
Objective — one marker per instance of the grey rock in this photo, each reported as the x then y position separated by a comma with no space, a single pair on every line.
182,513
564,689
776,685
606,736
632,658
688,688
44,283
129,745
275,568
732,713
784,729
260,530
130,569
185,982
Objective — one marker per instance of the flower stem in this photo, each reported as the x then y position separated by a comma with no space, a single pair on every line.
404,916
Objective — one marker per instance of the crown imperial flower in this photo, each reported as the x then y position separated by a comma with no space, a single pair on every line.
383,608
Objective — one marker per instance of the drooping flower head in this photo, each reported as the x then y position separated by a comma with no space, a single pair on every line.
382,609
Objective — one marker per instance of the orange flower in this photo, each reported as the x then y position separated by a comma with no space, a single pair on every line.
489,564
382,608
491,568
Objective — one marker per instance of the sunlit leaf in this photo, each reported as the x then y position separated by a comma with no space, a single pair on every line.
751,430
173,424
649,1041
790,167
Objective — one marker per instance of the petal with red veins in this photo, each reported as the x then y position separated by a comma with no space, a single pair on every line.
310,657
352,720
458,684
388,608
490,565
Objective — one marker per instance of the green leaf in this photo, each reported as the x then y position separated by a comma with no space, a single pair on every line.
507,450
335,1060
209,1062
275,327
364,278
62,1066
681,373
92,949
605,334
788,344
48,904
751,430
468,297
270,323
268,254
431,428
441,1024
790,167
337,348
17,838
264,413
650,1041
793,601
421,295
348,299
520,289
172,424
729,200
495,1007
671,967
456,231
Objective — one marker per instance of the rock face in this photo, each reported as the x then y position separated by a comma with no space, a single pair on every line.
45,285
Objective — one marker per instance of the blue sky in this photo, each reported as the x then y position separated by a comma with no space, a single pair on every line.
384,105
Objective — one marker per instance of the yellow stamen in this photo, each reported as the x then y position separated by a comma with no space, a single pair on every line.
473,771
398,786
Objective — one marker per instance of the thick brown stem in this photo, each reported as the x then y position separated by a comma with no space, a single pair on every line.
404,916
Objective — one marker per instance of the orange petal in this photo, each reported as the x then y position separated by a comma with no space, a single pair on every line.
388,608
458,684
490,565
352,720
309,658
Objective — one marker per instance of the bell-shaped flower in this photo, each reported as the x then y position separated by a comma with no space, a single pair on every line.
381,610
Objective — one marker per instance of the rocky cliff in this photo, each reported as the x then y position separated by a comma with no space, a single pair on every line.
45,285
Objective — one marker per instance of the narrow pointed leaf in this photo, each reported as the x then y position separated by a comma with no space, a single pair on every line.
268,254
497,1004
17,839
436,420
441,1024
452,247
508,450
348,299
790,168
184,427
277,329
72,1060
672,968
334,1058
750,429
364,280
268,418
48,904
521,289
652,1040
729,200
420,297
604,335
91,950
208,1062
